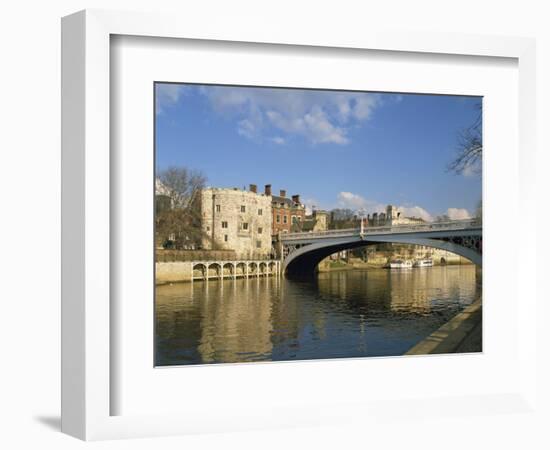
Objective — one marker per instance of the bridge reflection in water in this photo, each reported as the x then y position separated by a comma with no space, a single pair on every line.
339,314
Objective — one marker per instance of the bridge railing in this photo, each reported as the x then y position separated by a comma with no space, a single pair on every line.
406,228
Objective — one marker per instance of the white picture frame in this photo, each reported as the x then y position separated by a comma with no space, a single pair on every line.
87,384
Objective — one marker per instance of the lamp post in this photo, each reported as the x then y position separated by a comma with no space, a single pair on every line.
361,214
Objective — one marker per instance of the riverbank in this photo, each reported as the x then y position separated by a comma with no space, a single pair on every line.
185,271
357,264
462,334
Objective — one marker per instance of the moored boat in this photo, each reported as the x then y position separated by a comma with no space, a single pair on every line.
423,263
400,264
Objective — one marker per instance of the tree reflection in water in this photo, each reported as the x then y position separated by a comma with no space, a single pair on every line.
338,314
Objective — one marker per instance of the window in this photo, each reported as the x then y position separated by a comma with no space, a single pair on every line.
260,229
224,224
260,212
278,218
294,219
207,228
225,237
258,244
243,208
285,219
245,226
218,208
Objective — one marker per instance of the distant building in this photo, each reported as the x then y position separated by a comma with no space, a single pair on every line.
239,220
286,212
318,221
392,216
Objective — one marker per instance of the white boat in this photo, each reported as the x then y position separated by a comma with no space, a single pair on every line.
400,264
423,263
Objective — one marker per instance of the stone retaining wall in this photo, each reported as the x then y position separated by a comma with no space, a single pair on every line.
462,334
173,272
194,255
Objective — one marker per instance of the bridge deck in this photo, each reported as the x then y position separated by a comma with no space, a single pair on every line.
432,227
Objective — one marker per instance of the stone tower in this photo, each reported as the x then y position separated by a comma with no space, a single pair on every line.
392,214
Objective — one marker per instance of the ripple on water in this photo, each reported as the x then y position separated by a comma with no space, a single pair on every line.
339,314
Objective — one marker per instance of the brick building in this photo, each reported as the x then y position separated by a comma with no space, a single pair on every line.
286,212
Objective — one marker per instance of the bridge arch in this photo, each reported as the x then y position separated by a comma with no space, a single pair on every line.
230,269
199,270
303,260
253,268
215,268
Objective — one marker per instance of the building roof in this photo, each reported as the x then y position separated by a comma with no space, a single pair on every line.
276,199
309,224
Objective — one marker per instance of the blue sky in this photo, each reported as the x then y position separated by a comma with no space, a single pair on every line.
336,149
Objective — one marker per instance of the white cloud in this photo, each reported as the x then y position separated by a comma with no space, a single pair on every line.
357,202
167,95
397,98
472,170
415,211
458,213
364,106
246,128
310,204
278,140
320,117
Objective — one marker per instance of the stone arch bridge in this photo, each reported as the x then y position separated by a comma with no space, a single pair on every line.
302,252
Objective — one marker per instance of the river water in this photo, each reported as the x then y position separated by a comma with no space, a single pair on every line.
355,313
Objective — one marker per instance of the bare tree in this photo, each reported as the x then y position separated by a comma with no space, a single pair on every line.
342,218
469,147
182,185
179,225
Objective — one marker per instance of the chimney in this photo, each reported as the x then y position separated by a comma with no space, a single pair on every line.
296,199
282,193
267,189
253,188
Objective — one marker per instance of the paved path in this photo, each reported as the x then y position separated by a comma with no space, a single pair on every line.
462,334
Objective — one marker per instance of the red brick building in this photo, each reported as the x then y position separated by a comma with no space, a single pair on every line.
286,211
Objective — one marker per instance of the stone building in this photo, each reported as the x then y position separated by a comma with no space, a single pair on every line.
239,220
318,221
392,216
286,212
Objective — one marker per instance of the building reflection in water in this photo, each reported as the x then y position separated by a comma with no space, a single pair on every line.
339,314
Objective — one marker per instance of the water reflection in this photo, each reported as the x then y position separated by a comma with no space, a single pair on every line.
339,314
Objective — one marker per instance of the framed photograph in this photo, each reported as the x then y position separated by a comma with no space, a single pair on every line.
244,274
251,217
